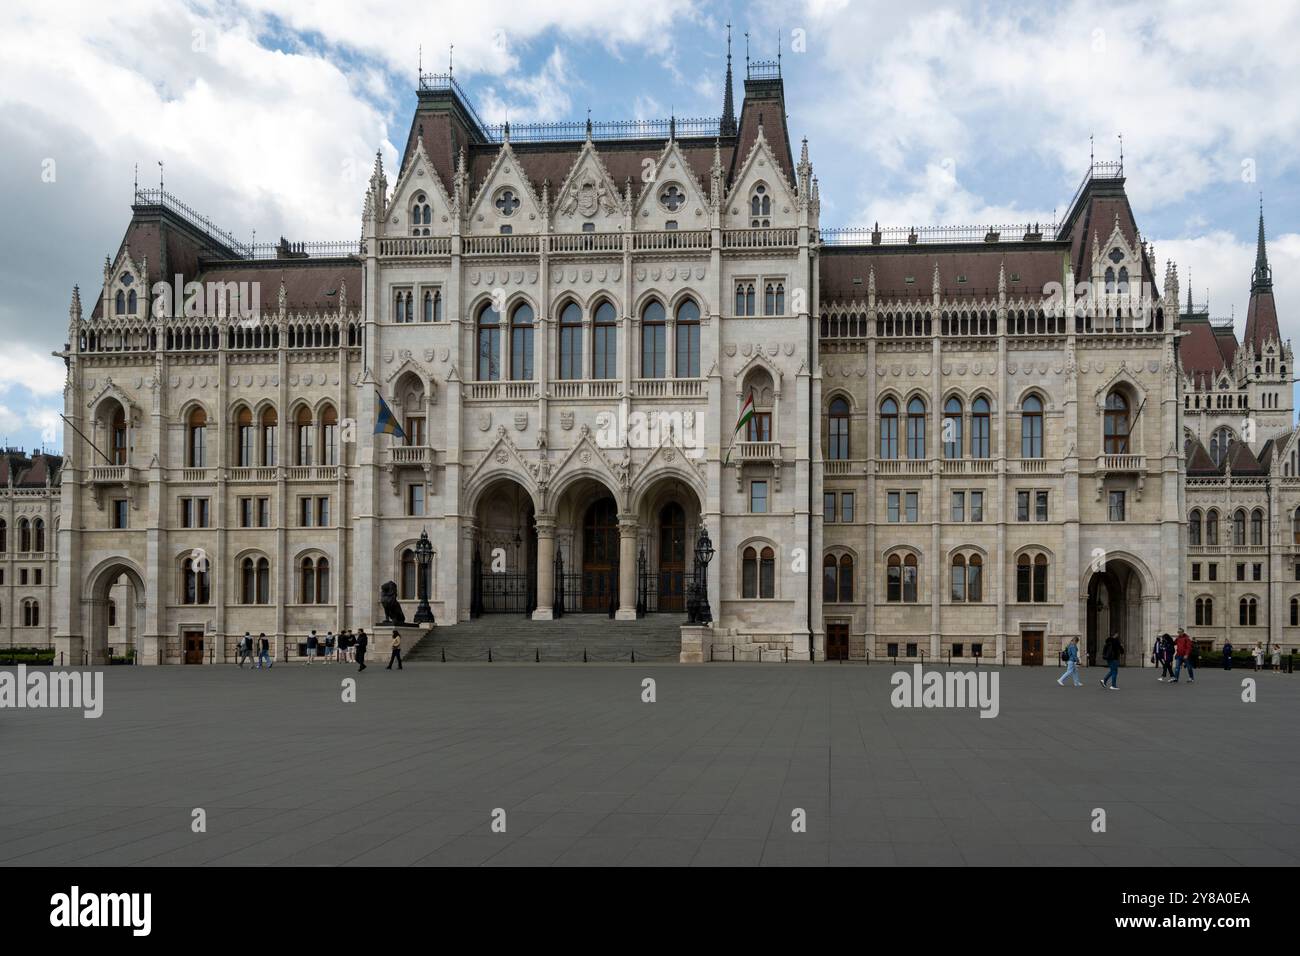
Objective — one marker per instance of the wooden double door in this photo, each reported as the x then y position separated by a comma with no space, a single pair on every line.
600,556
192,643
672,558
837,641
1031,647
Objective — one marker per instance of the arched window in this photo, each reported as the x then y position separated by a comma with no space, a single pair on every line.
760,207
132,303
1295,611
979,428
32,613
889,429
838,430
314,580
38,533
306,436
1116,424
604,351
758,573
119,303
270,430
245,437
4,536
687,339
1219,444
194,581
901,578
521,343
745,303
1194,528
1205,612
1239,528
846,579
432,305
570,356
1122,288
830,579
1211,527
489,344
767,573
653,331
774,298
952,443
1246,612
329,436
119,436
1295,526
24,535
916,429
255,581
1110,280
409,575
1031,428
421,215
975,579
958,577
1257,527
1031,579
198,438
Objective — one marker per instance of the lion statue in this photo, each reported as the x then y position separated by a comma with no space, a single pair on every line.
393,613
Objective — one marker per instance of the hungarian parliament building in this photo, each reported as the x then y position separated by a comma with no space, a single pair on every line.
953,444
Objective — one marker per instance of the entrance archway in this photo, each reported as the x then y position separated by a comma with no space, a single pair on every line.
115,608
668,512
600,555
1115,608
504,576
590,550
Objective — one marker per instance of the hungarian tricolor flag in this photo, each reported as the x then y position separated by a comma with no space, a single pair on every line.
386,421
746,413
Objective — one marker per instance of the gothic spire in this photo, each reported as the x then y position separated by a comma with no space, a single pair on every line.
1262,278
728,125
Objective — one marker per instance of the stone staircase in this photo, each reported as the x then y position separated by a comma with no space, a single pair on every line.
512,637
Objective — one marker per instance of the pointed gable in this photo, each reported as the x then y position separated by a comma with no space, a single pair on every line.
761,170
419,186
506,198
674,194
587,195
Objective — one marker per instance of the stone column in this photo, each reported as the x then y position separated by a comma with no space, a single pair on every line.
545,568
627,530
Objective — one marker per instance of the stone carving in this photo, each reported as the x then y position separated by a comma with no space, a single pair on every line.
566,420
393,613
521,421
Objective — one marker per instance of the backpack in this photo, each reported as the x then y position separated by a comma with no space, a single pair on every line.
1065,655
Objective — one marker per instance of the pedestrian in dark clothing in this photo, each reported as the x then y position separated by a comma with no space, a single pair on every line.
396,654
1227,655
1184,653
362,641
264,653
1166,657
1110,653
245,649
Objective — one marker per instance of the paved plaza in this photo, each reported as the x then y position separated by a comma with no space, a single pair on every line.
708,774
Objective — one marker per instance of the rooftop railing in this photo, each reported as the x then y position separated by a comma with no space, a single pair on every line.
157,197
1108,170
576,130
930,235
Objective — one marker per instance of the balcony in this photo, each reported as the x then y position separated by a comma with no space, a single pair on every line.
843,466
758,451
312,472
410,456
969,466
501,245
586,242
198,474
1030,466
668,387
903,466
502,391
585,388
1119,464
671,240
760,238
414,247
112,474
263,474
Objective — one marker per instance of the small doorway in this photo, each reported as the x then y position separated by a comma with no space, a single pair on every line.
837,642
672,558
193,643
1031,648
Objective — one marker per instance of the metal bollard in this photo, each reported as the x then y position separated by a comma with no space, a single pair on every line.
489,655
537,655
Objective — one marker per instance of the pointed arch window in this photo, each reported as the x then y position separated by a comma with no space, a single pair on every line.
1212,528
489,344
195,587
1205,612
1257,527
38,534
306,437
1239,529
604,346
653,337
774,298
421,215
889,429
314,580
569,363
952,443
838,430
432,305
745,298
521,343
409,575
270,433
916,429
980,428
1194,528
119,436
687,339
1031,427
119,303
760,207
329,436
1247,612
1116,424
197,434
245,437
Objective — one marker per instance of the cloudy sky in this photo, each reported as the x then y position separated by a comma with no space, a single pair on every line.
267,114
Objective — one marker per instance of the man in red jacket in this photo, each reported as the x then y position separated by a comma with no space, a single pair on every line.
1183,654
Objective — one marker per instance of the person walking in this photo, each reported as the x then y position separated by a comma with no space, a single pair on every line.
245,648
1277,659
1258,652
264,652
1071,657
1227,655
362,641
1183,654
1110,653
1166,657
396,654
312,641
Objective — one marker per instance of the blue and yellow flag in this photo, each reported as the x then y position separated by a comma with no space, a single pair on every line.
386,421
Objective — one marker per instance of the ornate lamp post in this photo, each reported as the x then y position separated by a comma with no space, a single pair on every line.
703,555
423,558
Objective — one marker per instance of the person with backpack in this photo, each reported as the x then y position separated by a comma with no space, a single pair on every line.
396,654
245,648
1183,654
1070,657
1110,653
362,641
312,641
1227,655
264,652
